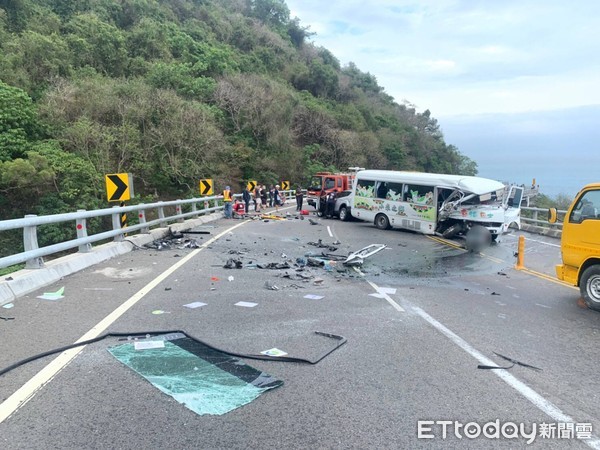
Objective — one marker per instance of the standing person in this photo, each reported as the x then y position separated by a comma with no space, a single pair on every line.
263,195
276,197
257,199
330,208
227,202
246,198
299,198
271,193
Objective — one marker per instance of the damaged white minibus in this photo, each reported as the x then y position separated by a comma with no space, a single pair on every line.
429,203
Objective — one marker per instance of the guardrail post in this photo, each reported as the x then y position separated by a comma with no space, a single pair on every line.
30,242
116,222
81,226
161,215
142,219
178,211
194,208
535,214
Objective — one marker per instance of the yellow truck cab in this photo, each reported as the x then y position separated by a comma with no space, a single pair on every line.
580,245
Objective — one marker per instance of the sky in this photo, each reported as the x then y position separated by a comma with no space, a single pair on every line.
524,71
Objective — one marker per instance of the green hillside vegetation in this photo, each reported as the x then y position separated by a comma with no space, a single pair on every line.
174,91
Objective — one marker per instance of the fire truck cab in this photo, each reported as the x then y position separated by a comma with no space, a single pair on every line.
322,183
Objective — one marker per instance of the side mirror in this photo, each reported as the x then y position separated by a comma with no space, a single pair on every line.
552,215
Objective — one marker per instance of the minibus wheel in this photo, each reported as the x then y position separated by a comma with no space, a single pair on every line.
590,287
344,215
382,222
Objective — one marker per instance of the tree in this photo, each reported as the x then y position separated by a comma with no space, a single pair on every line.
18,122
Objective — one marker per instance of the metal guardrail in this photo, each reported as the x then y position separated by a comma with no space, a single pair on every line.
543,220
33,255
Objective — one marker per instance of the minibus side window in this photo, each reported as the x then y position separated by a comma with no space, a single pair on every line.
422,195
365,188
587,207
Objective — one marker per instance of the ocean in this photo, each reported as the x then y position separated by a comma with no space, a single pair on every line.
558,148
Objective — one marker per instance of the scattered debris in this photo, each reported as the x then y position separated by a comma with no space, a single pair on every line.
313,221
233,264
357,258
157,312
8,305
278,266
495,293
215,279
318,281
53,295
320,244
230,278
195,305
313,297
7,318
513,361
246,304
271,286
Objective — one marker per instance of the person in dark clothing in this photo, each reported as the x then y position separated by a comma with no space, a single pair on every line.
299,198
271,195
330,206
246,197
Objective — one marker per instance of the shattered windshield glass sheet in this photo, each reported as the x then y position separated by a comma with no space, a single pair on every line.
202,379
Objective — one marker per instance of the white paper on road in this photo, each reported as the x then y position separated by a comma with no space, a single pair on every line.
145,345
246,304
274,352
195,305
313,297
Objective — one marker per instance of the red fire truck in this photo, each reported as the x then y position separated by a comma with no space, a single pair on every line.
322,183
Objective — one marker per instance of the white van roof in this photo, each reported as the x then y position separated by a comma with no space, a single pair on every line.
475,185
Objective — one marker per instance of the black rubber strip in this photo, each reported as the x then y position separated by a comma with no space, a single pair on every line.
341,341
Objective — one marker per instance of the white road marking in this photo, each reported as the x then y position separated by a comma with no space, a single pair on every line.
44,376
536,399
329,231
396,306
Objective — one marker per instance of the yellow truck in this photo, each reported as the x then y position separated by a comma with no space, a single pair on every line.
580,244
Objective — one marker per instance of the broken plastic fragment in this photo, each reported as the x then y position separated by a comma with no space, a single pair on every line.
8,305
246,304
356,258
313,297
195,305
53,295
230,278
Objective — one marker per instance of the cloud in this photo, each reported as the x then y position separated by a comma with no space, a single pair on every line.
466,56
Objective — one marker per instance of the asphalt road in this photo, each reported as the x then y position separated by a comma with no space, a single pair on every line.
411,355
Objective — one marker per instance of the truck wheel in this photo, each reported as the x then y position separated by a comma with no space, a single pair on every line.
344,214
452,230
590,287
478,237
382,222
